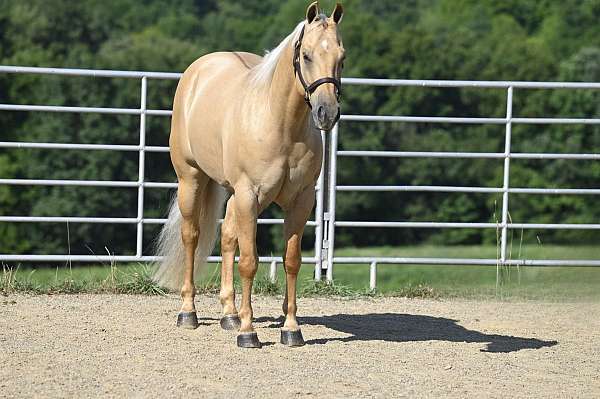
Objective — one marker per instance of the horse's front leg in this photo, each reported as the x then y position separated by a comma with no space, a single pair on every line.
229,244
246,213
295,220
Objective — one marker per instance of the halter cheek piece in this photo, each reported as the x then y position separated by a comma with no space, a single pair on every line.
310,89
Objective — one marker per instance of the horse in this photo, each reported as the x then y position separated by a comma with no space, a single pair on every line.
248,127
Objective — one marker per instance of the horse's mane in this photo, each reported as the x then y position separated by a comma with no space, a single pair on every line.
263,72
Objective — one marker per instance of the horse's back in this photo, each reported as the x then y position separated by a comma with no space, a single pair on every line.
214,71
218,66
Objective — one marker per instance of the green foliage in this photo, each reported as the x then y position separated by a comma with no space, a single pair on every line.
133,280
418,39
139,281
524,282
264,286
324,288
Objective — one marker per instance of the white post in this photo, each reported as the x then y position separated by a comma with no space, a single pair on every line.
506,185
319,216
373,276
332,194
273,272
141,166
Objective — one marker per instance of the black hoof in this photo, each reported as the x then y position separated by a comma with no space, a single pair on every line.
230,322
187,320
248,340
292,338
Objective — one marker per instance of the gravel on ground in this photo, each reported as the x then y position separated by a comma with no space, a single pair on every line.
128,346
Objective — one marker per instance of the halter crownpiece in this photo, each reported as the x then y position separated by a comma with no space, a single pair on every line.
310,89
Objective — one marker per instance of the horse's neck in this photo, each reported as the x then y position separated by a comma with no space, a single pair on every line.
286,104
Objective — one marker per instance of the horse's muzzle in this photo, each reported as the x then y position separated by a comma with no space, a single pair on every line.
326,116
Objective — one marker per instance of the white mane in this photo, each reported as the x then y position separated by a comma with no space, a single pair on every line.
263,72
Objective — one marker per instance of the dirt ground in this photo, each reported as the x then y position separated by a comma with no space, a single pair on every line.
128,346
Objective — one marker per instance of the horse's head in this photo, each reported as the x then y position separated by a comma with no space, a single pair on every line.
318,62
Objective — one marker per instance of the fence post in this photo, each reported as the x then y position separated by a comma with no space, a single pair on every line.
506,184
141,172
319,230
373,276
332,172
273,272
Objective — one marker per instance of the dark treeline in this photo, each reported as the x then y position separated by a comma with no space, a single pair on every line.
539,40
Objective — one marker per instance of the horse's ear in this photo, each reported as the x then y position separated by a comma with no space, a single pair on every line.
312,12
338,13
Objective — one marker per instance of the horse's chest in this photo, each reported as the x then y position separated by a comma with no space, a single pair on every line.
301,171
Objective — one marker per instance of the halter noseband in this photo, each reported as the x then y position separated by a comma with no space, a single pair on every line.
310,89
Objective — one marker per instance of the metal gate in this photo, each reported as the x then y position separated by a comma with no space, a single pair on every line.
326,223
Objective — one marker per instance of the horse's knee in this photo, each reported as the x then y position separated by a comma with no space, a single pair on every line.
228,241
293,256
248,265
292,267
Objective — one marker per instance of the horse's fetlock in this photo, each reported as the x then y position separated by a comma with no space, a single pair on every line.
188,291
245,314
226,295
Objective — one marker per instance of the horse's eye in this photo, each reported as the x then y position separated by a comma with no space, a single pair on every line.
307,58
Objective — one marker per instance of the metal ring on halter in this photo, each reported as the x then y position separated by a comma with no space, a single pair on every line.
310,89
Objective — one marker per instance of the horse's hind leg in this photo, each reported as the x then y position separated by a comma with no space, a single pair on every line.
229,243
295,220
189,196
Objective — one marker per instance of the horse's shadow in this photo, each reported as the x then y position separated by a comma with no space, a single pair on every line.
393,327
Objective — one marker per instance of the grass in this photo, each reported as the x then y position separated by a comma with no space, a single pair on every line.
130,279
546,283
322,288
524,282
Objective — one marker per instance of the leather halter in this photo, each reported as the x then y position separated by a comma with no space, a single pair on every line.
310,88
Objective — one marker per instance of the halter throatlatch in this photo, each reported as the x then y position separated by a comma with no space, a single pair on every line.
310,88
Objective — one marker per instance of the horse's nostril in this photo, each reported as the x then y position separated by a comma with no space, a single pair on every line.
321,113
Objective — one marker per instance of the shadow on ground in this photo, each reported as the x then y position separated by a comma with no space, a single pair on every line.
393,327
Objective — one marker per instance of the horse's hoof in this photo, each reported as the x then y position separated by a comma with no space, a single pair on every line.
230,322
248,340
292,338
187,320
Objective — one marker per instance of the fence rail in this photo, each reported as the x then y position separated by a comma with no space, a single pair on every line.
325,222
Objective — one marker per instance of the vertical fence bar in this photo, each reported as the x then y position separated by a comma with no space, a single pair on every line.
319,216
373,276
332,194
141,171
506,184
273,272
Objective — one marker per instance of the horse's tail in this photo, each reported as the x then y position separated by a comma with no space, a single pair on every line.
169,273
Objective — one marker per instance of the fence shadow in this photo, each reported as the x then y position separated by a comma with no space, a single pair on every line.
393,327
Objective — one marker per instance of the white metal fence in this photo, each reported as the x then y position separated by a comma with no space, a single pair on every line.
326,222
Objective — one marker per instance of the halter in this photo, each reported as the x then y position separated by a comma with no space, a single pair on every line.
310,89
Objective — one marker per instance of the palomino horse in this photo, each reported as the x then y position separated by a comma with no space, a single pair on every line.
243,124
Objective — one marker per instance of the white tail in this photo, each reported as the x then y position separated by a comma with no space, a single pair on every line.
170,245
